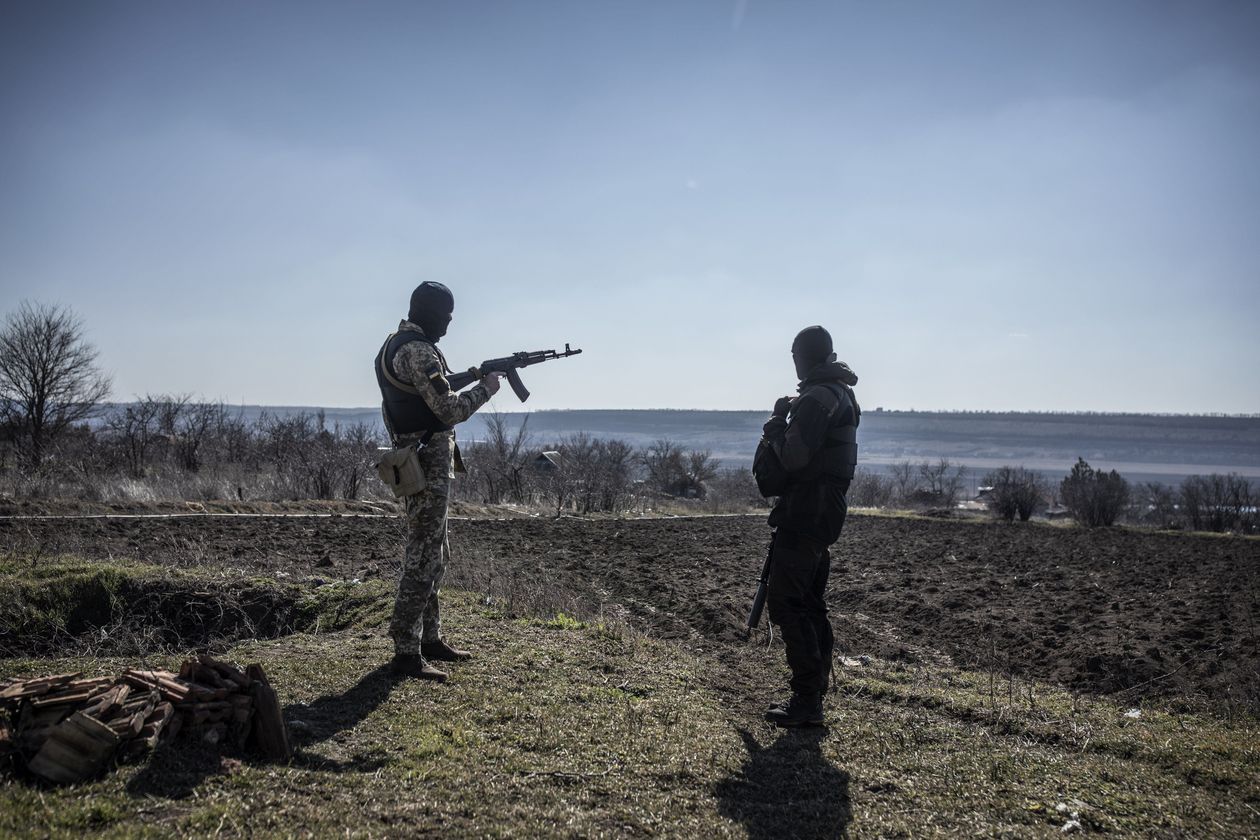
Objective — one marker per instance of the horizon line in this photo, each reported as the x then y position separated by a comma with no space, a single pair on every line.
876,410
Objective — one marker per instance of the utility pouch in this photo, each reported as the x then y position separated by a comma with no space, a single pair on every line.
772,478
401,471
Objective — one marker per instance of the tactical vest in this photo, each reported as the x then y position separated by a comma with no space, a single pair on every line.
402,404
839,453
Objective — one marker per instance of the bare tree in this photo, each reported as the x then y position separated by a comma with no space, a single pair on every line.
232,440
616,461
358,443
904,481
1157,505
1218,502
942,481
560,481
134,428
171,409
49,378
580,463
194,425
663,460
504,473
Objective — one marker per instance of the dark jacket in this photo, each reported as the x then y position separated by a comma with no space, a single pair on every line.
817,446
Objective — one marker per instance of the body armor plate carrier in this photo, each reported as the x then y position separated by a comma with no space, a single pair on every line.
402,404
839,454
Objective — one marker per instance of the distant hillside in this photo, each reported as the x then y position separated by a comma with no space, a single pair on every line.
1143,447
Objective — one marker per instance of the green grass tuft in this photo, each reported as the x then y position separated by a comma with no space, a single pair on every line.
122,606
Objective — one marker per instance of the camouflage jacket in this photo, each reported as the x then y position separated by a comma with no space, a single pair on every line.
415,364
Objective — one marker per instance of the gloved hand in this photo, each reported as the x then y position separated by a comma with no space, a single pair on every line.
783,405
491,381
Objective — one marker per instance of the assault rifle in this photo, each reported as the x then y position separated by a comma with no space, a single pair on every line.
763,584
508,365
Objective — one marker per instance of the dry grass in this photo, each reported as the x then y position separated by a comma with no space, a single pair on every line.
566,728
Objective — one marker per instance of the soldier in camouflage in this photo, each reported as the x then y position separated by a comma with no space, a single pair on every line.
420,407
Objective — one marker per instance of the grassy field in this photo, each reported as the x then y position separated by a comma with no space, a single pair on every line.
565,728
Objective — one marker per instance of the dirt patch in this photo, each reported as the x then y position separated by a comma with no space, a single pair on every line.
1148,614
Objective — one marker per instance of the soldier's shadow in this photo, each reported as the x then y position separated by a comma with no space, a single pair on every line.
313,723
175,770
788,789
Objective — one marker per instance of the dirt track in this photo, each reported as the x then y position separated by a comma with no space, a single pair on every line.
1113,610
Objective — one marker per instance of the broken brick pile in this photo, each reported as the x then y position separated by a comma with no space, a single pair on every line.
67,728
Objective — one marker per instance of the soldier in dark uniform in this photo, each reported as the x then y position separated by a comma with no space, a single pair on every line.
814,436
420,407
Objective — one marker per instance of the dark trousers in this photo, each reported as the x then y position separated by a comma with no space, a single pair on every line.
796,599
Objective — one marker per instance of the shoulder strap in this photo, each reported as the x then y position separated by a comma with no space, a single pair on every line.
387,364
385,368
848,432
848,392
398,383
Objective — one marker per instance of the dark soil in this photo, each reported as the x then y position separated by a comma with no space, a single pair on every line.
1150,615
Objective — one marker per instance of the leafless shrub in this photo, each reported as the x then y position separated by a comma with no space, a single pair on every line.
942,481
1015,491
1156,505
615,475
676,473
498,468
904,479
133,428
588,474
733,490
193,427
870,489
663,462
1219,503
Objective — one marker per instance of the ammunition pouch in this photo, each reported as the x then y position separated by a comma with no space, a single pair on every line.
401,471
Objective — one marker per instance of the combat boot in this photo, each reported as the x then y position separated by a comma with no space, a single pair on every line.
801,710
414,665
440,651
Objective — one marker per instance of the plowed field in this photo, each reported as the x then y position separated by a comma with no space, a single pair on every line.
1149,615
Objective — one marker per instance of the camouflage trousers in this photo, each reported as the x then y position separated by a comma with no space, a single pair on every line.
417,617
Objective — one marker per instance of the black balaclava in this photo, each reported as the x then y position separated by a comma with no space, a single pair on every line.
810,348
431,308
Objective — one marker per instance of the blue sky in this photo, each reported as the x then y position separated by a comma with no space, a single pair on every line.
992,205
